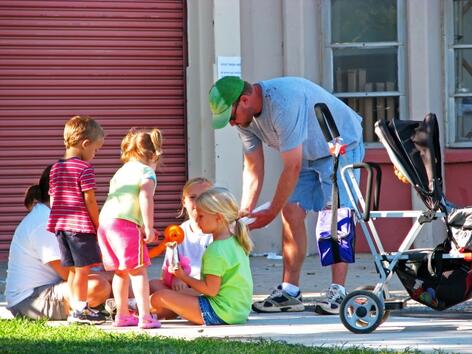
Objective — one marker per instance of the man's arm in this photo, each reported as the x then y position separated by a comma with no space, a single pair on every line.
292,161
253,177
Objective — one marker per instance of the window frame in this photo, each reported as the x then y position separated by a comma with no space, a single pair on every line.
450,94
328,60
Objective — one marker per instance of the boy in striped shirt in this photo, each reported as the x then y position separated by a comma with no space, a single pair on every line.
74,211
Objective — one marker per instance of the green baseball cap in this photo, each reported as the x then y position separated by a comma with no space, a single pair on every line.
223,94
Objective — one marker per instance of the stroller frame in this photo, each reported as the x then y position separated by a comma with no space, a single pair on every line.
363,310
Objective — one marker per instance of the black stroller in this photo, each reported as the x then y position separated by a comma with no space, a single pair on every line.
440,277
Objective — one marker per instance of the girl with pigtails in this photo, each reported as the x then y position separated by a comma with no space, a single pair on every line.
226,281
127,224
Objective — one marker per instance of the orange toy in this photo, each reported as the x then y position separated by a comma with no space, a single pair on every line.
172,233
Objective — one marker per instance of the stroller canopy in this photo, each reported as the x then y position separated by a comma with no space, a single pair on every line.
414,149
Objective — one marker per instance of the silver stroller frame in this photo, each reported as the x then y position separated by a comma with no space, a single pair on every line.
362,311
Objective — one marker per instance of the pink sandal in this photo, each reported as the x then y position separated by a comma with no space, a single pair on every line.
148,322
125,321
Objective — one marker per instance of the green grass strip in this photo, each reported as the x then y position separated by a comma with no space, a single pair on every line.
27,336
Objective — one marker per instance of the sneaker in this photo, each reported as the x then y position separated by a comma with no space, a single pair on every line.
86,316
110,307
280,301
125,321
334,297
148,322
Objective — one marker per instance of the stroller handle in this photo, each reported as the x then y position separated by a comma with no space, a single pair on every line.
326,121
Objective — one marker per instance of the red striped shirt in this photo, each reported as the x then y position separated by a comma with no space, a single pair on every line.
67,182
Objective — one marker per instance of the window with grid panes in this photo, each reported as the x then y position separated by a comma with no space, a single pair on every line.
459,63
365,47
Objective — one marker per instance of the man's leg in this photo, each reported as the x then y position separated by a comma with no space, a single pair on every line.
339,273
339,270
294,242
336,291
306,196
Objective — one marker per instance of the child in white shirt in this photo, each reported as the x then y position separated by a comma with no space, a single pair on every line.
195,241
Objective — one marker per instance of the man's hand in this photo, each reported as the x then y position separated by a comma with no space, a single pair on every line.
263,218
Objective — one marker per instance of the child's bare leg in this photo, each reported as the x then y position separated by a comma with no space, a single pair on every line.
72,296
140,285
189,291
120,292
156,285
80,283
184,305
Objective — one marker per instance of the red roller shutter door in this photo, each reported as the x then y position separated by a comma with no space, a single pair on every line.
121,62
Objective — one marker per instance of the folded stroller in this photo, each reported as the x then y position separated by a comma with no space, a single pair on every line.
440,277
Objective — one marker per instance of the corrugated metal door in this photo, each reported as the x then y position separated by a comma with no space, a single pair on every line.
121,62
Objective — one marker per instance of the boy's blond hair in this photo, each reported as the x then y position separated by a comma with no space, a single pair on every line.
191,182
219,200
142,145
80,128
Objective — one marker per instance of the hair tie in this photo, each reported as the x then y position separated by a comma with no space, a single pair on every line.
232,226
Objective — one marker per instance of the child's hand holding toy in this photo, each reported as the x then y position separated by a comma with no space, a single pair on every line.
176,270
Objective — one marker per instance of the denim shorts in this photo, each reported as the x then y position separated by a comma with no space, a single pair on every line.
313,189
209,316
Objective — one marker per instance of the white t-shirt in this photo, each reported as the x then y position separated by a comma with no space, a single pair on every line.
31,249
193,247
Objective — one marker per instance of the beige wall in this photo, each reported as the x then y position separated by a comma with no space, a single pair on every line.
278,38
425,84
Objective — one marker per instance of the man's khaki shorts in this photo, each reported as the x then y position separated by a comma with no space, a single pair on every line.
47,301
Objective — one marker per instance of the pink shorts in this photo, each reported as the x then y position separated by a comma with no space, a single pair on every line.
122,245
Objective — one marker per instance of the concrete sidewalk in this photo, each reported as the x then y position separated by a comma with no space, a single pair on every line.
414,328
267,274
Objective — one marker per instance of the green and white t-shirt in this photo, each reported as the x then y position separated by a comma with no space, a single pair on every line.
123,197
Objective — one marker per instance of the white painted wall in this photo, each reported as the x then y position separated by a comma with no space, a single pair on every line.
425,73
278,38
200,135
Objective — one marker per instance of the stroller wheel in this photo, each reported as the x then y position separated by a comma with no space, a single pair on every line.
361,311
386,314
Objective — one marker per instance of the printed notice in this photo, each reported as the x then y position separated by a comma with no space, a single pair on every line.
229,66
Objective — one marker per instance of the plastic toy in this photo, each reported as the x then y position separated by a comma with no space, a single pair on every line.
172,233
183,261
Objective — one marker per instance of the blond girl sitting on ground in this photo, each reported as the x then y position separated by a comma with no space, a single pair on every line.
226,284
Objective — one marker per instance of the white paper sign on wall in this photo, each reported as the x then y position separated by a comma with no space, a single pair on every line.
229,66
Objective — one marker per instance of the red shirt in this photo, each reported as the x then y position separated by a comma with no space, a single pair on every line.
67,182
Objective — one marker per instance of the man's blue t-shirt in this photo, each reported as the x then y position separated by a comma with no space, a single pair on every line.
288,119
